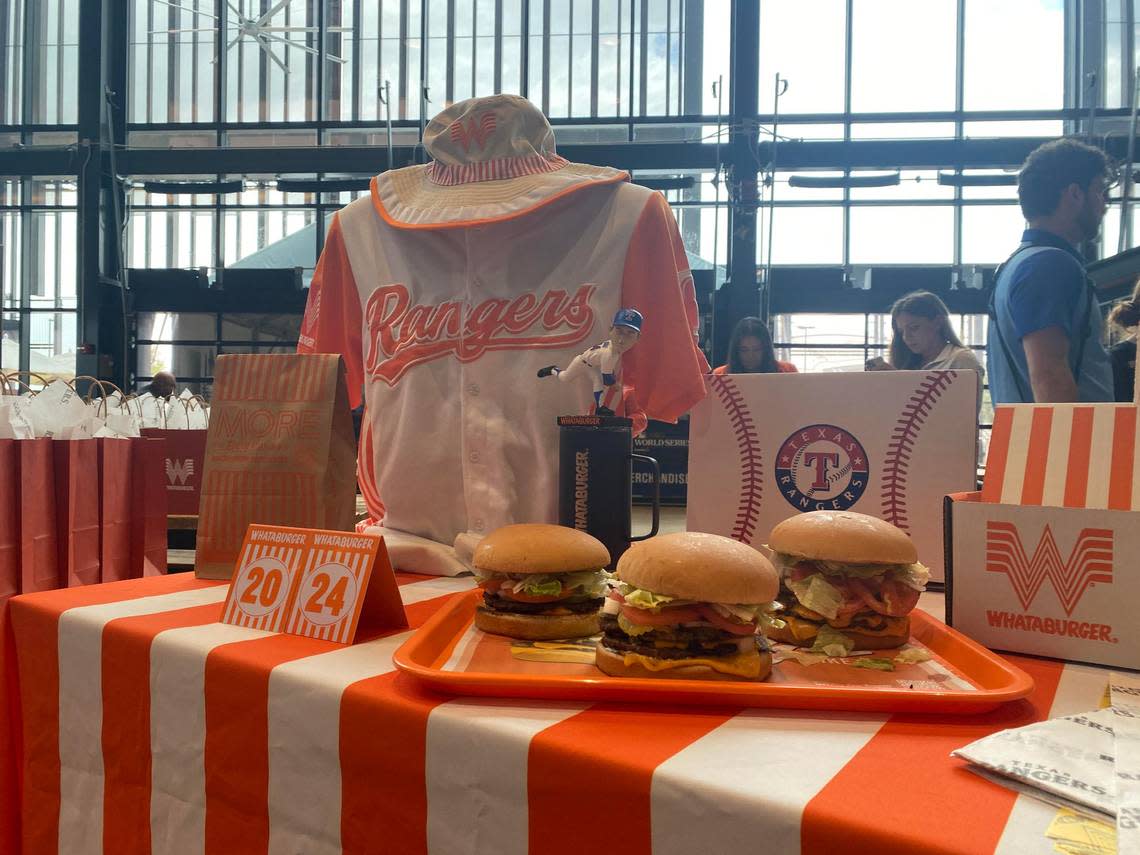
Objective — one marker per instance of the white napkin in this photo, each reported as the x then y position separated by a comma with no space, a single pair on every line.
14,424
197,415
56,410
414,554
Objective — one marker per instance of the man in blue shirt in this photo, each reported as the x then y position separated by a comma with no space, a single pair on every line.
1046,327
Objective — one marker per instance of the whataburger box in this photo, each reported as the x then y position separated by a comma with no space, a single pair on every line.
765,447
1042,560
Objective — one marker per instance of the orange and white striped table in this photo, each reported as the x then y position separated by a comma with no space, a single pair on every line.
147,726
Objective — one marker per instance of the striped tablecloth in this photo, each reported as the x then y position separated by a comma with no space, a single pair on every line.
149,727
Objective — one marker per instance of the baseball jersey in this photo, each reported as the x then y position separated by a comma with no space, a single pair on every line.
444,328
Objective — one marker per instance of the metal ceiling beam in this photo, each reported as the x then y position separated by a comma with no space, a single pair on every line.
364,160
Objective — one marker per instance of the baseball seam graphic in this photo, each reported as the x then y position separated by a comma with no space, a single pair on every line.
901,447
748,445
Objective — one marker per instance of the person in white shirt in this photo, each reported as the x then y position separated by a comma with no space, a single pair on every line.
923,337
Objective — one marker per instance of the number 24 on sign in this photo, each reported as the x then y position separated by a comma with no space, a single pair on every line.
301,581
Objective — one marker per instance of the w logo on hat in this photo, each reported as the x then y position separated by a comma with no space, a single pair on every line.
476,130
1089,562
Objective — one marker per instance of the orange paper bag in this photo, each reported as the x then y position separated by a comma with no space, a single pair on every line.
77,509
149,459
280,451
39,561
115,507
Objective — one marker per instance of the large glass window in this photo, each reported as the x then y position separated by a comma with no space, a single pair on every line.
992,81
810,58
39,53
306,61
38,267
902,55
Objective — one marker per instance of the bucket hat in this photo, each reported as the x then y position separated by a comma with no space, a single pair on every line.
493,159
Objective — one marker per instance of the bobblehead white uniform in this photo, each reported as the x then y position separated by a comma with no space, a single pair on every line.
451,283
595,363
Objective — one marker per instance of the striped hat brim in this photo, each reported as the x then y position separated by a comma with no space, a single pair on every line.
434,196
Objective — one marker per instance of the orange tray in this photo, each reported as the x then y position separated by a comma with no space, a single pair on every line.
424,654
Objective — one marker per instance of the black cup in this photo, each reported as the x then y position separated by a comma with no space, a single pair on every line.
595,475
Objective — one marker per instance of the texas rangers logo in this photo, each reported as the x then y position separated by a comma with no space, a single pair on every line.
475,132
1090,561
822,468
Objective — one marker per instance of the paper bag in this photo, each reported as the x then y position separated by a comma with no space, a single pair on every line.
77,511
149,458
39,561
182,467
280,451
115,507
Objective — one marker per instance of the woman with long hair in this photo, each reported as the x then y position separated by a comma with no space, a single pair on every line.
750,351
923,337
1125,316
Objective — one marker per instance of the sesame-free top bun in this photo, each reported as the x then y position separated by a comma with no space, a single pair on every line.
843,536
696,566
539,548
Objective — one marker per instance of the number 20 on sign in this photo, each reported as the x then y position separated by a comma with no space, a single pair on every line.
301,581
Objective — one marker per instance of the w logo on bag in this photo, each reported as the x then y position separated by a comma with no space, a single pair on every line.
1089,562
478,128
179,471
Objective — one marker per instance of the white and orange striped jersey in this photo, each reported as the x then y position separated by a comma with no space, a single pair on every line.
444,325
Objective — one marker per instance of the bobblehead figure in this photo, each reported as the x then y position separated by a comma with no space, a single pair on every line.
602,362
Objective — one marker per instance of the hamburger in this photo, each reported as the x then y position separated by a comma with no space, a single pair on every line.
688,606
847,582
540,581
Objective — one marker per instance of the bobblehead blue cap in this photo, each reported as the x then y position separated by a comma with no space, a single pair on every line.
628,318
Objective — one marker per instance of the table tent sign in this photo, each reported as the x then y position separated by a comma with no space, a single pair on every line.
764,447
321,584
1040,561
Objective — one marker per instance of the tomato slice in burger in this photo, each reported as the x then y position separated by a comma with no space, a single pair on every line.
721,622
666,617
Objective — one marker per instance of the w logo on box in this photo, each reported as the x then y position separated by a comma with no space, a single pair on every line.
1089,562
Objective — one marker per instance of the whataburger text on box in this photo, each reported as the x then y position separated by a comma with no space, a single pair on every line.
1046,581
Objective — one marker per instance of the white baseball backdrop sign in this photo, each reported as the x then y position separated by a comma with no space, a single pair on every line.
763,447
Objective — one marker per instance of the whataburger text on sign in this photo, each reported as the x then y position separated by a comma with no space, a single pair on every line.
1038,561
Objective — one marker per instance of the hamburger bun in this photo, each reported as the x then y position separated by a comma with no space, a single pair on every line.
696,566
843,536
613,663
539,548
863,641
537,627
